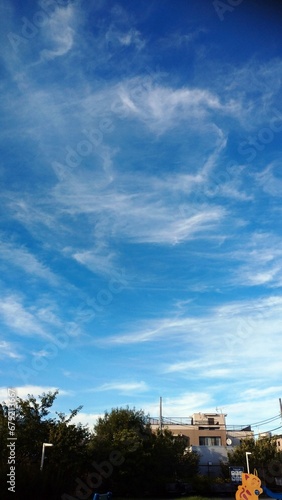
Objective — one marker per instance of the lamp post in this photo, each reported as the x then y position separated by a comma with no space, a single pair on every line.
247,461
209,465
44,445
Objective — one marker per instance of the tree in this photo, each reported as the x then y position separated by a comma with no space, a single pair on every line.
127,434
170,460
70,442
147,460
122,418
265,457
122,454
34,426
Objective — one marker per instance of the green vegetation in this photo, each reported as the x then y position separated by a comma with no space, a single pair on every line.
33,427
265,458
121,454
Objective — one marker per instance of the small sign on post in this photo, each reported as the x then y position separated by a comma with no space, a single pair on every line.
235,472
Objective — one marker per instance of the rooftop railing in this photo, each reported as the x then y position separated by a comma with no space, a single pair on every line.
189,421
171,420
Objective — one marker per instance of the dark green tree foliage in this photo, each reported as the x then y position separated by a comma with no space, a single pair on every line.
122,454
149,460
125,427
170,460
34,426
70,442
265,458
127,433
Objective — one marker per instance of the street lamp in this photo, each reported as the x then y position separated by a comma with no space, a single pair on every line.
44,445
247,461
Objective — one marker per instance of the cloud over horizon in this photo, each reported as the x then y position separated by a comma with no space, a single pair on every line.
141,205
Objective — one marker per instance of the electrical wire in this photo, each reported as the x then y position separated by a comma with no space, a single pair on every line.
265,432
271,419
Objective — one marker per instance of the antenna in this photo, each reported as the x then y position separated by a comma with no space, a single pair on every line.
161,414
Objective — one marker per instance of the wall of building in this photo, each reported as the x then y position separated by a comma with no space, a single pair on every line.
211,458
207,434
203,425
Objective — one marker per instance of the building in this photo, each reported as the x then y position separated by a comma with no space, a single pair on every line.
204,429
207,434
276,437
279,442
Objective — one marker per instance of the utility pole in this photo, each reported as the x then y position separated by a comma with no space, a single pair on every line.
161,414
280,403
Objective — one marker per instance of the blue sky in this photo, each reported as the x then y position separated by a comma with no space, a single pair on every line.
141,210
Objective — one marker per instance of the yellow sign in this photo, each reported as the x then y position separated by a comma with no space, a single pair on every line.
250,489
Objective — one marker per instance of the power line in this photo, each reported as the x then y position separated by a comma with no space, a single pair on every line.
271,430
271,419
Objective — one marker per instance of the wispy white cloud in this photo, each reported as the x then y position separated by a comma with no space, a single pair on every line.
154,330
261,261
123,387
131,37
19,256
18,318
32,215
97,260
212,369
59,33
270,179
183,405
9,350
37,320
137,217
257,393
226,330
161,108
34,390
251,83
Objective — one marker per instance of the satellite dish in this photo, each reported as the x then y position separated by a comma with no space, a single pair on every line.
229,441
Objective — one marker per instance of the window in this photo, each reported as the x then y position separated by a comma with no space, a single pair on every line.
210,441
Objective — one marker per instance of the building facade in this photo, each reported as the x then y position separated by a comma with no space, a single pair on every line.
208,435
204,429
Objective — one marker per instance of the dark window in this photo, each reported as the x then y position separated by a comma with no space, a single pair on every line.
209,441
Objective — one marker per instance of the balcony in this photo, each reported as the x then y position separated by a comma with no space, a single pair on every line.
170,421
245,428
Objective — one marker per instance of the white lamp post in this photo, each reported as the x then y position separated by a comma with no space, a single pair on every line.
44,445
247,461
